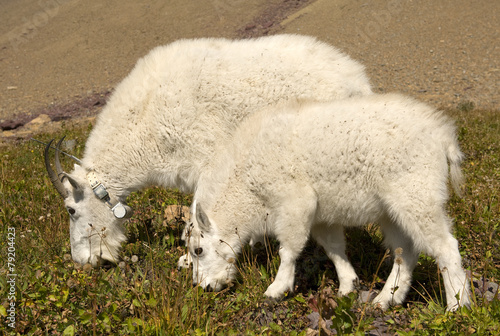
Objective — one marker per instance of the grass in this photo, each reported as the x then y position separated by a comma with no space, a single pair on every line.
150,297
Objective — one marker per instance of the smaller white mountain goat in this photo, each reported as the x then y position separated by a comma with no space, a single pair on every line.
164,122
311,169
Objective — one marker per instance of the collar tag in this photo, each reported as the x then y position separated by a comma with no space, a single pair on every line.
93,180
97,187
101,192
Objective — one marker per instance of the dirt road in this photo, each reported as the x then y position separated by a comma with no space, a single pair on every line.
57,52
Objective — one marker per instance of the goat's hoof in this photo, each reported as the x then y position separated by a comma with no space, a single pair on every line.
270,302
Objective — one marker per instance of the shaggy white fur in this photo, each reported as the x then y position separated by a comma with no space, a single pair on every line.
311,169
165,121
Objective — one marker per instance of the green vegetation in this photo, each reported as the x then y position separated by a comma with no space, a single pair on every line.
151,297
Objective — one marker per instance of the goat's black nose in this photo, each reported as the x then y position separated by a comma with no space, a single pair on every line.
208,288
195,284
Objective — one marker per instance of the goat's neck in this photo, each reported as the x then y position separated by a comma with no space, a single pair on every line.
132,168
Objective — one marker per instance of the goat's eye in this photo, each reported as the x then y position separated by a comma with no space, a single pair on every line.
71,211
198,251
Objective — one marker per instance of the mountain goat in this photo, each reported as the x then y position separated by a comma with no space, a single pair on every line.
311,169
164,122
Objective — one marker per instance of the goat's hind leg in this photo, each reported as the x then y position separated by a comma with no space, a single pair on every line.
454,278
444,247
405,259
331,238
429,229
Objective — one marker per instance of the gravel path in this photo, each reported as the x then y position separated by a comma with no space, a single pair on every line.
444,52
55,54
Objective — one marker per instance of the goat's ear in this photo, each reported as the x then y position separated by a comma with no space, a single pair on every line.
202,218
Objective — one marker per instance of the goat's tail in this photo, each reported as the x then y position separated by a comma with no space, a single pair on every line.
455,157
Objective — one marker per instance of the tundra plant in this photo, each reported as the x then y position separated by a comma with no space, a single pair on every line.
311,169
167,119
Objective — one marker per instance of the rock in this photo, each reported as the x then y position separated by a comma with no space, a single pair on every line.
492,287
179,213
311,332
314,319
485,289
10,125
40,120
489,296
8,134
319,323
367,296
20,130
326,327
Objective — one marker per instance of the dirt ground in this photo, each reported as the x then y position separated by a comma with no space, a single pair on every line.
67,55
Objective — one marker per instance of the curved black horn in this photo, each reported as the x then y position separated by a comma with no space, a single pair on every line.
52,175
59,169
60,172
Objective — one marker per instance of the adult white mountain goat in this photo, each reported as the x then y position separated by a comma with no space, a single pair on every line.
165,121
313,168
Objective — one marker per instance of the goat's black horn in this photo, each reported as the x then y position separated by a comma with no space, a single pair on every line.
54,178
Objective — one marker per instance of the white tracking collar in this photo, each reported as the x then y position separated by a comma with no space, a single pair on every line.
120,210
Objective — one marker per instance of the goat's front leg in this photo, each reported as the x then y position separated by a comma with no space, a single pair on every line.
286,274
292,229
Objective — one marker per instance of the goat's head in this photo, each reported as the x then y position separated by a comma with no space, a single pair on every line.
214,259
96,219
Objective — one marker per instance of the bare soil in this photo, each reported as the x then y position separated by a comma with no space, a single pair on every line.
63,57
60,57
